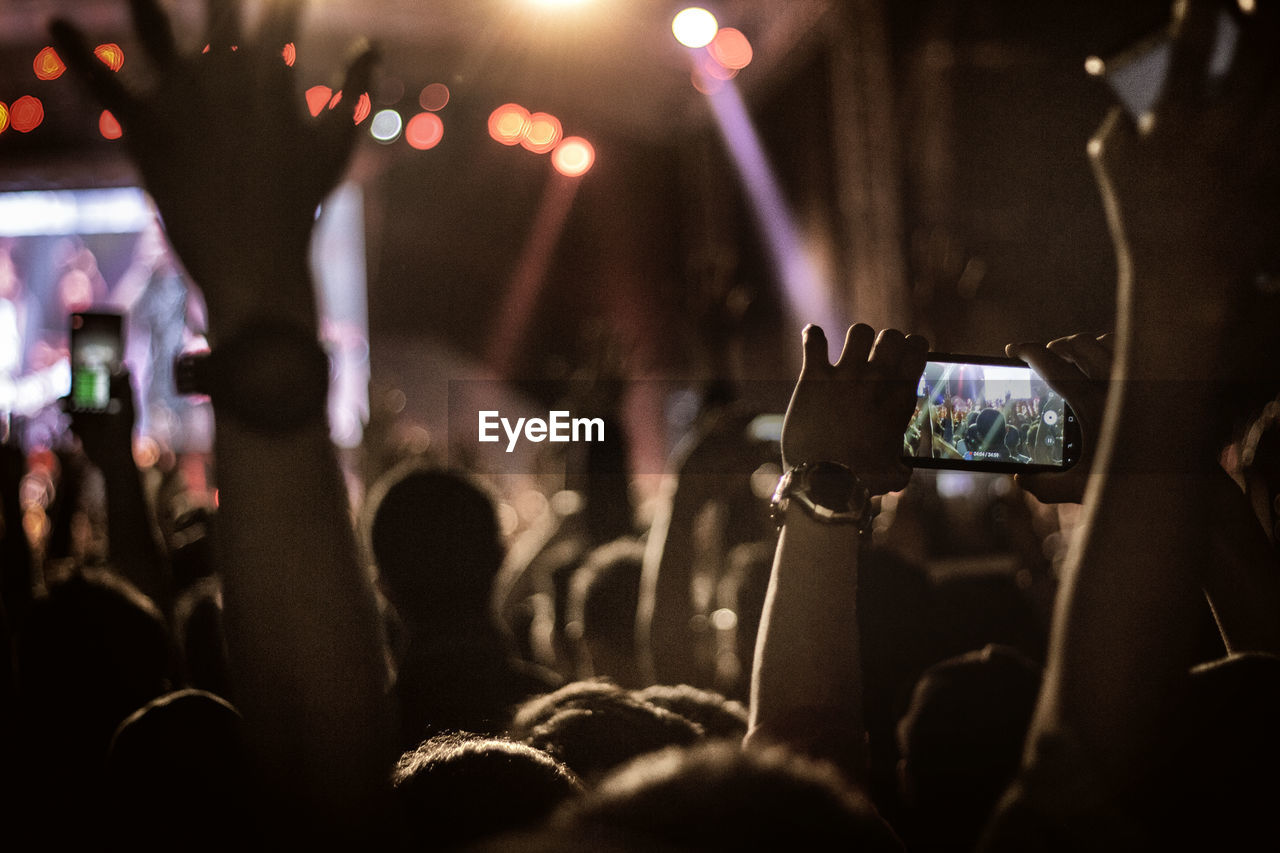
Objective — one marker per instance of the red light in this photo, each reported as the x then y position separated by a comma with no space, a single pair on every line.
111,55
48,64
543,133
715,70
424,131
336,99
205,49
26,114
730,48
290,54
573,157
363,107
509,123
4,116
434,97
317,97
108,126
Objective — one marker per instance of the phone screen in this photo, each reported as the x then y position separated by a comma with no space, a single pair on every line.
97,350
976,413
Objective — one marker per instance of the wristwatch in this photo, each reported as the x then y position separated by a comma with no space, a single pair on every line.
828,492
271,377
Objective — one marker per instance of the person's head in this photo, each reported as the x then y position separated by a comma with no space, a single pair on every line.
960,741
91,650
434,537
991,429
604,593
177,766
595,726
716,796
719,716
458,788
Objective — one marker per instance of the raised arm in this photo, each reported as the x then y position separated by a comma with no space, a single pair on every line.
844,423
1191,201
237,170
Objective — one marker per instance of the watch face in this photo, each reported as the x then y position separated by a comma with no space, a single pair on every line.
830,486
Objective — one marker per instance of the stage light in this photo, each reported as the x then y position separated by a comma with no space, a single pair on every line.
694,27
433,97
4,116
711,68
509,123
573,157
290,54
317,97
424,131
386,126
48,65
731,49
108,126
543,133
111,55
26,114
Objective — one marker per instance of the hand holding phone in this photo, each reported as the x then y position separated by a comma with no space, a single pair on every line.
97,354
984,413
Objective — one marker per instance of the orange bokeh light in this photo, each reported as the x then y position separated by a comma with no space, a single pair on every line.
317,97
715,70
111,55
424,131
434,97
48,65
509,123
26,114
573,156
543,134
108,126
4,116
290,54
730,48
364,106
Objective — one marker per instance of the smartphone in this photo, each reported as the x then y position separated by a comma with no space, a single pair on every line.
985,413
1137,75
97,354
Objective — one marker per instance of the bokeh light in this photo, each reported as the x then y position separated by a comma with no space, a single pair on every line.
711,68
694,27
509,123
424,131
730,48
386,126
543,133
4,116
573,157
290,54
433,97
108,126
364,106
26,114
705,83
111,55
317,97
48,65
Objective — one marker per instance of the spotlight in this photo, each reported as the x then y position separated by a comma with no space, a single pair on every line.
694,27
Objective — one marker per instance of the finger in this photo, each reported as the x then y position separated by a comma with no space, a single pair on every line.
916,356
1108,342
888,350
857,345
101,82
280,24
1062,375
154,32
1052,488
815,351
222,18
1251,78
1194,25
1093,359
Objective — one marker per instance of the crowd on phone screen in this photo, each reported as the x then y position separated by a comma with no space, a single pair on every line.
536,708
1005,430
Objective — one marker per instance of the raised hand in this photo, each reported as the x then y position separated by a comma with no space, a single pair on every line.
226,148
855,411
1079,368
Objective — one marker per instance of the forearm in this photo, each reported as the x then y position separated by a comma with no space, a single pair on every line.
132,536
806,682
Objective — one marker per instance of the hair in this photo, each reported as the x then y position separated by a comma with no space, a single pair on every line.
717,796
458,788
719,716
594,726
434,536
